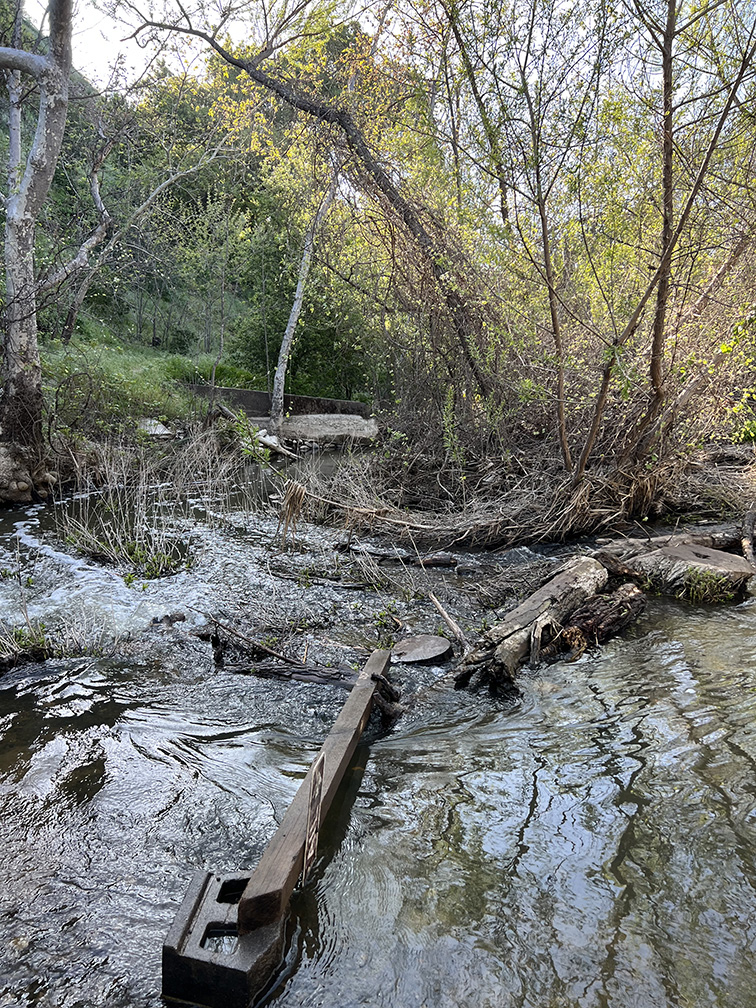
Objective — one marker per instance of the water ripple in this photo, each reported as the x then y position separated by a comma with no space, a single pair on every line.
593,846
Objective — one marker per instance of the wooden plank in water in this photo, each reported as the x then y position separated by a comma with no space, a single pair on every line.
269,889
227,939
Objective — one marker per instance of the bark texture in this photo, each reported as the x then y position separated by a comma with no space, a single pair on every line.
507,645
28,186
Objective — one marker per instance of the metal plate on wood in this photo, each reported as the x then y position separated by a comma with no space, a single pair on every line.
423,648
313,815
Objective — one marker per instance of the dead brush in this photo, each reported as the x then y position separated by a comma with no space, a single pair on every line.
535,503
216,479
291,509
713,489
399,578
78,635
126,525
24,643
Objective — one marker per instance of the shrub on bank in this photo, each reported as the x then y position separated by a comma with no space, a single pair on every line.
102,390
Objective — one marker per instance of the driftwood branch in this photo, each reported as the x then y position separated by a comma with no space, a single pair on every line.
456,630
300,673
256,646
747,539
262,437
341,675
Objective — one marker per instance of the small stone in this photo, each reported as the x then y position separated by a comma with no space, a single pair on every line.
423,648
437,560
467,567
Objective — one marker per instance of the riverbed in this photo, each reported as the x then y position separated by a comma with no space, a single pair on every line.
591,842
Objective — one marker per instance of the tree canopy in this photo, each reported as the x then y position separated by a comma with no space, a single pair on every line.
540,231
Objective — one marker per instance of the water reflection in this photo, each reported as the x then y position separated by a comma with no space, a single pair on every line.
592,845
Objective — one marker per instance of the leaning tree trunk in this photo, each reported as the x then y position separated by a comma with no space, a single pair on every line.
433,251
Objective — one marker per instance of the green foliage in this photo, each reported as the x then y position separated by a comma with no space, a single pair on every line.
242,435
741,350
744,412
200,284
97,390
698,586
450,432
704,587
331,351
30,638
199,370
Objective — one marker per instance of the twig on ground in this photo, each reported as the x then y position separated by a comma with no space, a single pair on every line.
455,628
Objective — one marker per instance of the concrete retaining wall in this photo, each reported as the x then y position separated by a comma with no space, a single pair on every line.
258,403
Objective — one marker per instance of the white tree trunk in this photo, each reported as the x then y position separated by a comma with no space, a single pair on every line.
277,397
28,186
21,404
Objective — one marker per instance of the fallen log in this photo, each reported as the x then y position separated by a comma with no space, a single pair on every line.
680,568
747,538
505,646
717,537
304,673
599,619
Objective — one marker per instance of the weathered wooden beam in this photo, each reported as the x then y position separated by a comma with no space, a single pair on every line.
267,894
227,938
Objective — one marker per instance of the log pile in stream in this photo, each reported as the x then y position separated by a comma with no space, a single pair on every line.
574,611
697,567
583,604
533,625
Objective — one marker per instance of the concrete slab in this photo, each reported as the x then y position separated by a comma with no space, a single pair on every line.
324,428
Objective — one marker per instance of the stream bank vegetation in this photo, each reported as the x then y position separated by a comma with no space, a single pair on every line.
523,234
527,231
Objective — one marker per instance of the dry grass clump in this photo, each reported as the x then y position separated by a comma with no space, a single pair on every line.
537,504
33,641
145,499
717,481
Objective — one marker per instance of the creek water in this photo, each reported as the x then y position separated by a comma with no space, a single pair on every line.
592,843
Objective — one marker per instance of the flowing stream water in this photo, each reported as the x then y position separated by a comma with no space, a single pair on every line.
590,844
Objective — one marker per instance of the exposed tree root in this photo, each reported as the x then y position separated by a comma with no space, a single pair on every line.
22,480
